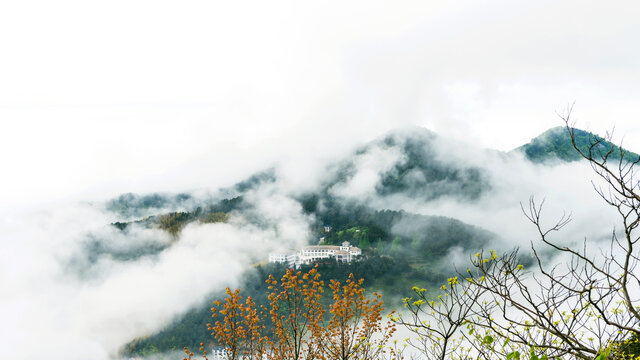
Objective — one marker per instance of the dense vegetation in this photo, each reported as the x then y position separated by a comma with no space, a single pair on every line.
420,171
132,205
173,222
585,308
302,321
555,144
378,272
401,250
425,175
394,261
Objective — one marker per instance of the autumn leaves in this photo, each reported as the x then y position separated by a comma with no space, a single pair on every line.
298,324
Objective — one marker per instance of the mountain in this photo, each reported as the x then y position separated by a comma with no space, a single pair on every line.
353,196
132,205
555,145
395,261
401,249
424,173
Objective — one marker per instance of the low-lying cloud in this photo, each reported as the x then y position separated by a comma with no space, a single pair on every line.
196,97
69,291
59,301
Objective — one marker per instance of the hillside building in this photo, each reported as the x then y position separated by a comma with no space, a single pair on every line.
315,253
283,257
218,353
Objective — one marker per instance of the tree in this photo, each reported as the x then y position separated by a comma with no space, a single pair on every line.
241,328
296,326
438,337
396,245
354,323
586,308
296,312
416,244
364,243
379,246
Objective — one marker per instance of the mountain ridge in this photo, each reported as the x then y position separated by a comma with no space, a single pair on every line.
409,162
555,144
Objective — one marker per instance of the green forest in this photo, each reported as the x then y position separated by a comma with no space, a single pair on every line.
401,250
393,262
555,144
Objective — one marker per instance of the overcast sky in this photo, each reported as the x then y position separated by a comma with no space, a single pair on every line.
102,98
99,98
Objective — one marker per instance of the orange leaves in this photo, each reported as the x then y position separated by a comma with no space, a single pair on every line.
298,324
240,330
295,312
355,329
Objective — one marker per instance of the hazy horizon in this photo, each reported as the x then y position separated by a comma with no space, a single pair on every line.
137,96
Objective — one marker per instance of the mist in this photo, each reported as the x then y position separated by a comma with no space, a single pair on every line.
146,106
510,182
102,100
70,288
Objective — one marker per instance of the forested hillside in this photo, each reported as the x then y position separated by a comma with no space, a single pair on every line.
400,249
555,144
395,259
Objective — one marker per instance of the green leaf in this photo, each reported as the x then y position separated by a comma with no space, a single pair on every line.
487,340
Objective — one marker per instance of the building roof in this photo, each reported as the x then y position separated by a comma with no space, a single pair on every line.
327,247
321,247
283,252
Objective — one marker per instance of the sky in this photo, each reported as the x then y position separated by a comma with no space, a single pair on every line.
101,98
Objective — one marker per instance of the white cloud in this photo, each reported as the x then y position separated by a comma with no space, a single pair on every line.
97,99
138,95
90,309
368,167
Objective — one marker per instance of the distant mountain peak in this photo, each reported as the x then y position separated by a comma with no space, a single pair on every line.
554,145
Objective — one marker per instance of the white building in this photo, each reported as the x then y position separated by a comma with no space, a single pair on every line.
218,353
283,257
314,253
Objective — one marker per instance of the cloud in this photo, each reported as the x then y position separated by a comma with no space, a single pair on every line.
175,98
368,169
566,188
115,300
103,99
92,308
